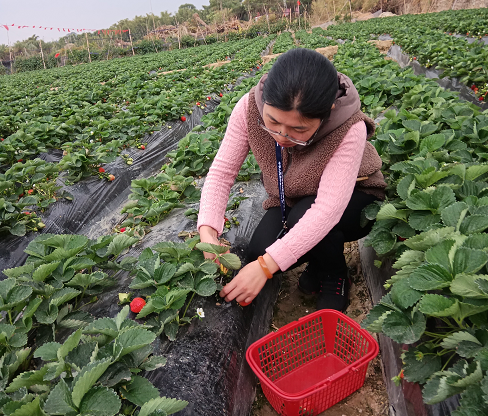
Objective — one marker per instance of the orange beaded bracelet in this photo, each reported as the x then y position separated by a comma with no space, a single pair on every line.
264,266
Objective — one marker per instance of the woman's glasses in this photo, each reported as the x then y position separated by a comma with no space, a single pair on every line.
291,139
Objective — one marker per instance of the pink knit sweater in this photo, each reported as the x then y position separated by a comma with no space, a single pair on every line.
335,189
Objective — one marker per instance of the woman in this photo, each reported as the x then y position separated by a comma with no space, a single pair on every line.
304,125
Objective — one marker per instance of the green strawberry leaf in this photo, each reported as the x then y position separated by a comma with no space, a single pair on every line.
212,248
420,370
403,329
87,377
206,287
100,401
403,295
437,305
133,339
139,391
59,401
430,277
168,406
467,260
453,215
48,351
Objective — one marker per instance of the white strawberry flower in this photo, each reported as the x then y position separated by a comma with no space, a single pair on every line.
200,313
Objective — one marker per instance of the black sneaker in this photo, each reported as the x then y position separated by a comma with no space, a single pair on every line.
309,282
334,293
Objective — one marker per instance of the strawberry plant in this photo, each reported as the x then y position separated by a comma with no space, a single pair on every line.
313,40
153,198
283,43
169,273
433,224
249,169
93,371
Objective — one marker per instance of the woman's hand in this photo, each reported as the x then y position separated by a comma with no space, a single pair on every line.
209,235
246,285
248,282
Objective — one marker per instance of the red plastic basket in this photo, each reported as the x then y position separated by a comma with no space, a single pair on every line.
313,363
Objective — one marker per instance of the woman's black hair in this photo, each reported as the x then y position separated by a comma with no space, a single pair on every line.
303,80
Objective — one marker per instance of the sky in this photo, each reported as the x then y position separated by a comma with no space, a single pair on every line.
88,14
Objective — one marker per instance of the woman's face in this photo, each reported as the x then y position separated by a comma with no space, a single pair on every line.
289,123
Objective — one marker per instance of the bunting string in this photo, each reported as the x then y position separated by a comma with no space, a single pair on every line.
63,29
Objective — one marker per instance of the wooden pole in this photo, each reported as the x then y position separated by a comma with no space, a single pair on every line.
109,44
88,46
42,55
9,51
299,26
350,9
131,45
178,33
267,19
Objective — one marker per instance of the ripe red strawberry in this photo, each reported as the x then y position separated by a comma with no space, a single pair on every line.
481,98
30,191
183,118
111,177
101,170
2,140
27,213
220,94
122,229
142,147
209,98
137,304
414,58
197,104
20,160
473,87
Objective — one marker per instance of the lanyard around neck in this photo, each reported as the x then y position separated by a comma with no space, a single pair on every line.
281,188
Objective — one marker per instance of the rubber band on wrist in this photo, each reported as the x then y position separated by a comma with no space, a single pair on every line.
264,266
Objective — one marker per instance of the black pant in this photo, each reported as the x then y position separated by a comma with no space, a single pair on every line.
328,254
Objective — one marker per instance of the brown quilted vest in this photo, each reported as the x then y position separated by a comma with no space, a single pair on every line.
304,167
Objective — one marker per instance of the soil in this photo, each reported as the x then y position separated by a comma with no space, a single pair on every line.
383,45
371,399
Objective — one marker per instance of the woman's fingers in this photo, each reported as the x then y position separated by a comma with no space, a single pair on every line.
246,285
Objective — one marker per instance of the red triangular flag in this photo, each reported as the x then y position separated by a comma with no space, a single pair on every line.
6,27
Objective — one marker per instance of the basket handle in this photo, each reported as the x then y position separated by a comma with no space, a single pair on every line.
337,375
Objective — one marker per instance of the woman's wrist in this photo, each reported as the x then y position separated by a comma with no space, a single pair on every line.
272,266
207,231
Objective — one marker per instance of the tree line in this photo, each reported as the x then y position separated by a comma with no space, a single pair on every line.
140,26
